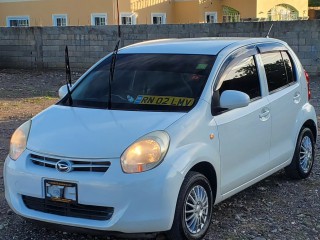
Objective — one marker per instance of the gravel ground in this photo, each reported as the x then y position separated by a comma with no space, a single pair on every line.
276,208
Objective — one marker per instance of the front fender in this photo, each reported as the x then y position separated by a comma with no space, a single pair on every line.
187,156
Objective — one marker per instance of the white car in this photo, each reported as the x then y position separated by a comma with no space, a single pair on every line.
149,139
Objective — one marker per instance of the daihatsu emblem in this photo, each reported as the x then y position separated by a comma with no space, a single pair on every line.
64,166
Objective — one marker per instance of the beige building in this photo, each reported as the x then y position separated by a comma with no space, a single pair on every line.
104,12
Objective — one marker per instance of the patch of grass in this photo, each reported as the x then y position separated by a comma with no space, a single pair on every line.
39,99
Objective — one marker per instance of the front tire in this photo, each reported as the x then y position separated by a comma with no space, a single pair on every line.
303,158
193,210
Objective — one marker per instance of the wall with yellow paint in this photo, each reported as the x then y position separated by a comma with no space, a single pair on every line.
177,11
186,12
40,12
144,9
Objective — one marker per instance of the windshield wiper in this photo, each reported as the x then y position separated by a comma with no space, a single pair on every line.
68,75
111,70
114,59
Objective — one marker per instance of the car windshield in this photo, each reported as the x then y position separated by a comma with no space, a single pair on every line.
154,82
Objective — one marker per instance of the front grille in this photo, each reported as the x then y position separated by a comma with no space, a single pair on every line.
68,209
76,165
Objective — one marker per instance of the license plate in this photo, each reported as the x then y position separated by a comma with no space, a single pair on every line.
61,191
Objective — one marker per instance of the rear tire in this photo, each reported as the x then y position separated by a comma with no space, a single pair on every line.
303,158
193,210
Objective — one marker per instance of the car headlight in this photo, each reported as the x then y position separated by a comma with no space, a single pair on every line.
145,153
18,142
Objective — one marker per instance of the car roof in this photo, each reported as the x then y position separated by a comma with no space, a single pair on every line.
206,46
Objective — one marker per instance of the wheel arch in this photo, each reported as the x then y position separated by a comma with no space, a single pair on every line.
306,118
313,127
209,172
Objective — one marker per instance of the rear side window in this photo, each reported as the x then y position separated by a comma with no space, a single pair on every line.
278,69
242,75
288,66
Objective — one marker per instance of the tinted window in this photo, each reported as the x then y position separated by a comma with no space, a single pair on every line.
275,70
242,75
160,82
288,66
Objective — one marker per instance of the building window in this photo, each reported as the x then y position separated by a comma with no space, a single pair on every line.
230,15
60,20
283,12
158,18
98,19
211,17
18,21
127,18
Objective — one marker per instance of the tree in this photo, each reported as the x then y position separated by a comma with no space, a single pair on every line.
314,3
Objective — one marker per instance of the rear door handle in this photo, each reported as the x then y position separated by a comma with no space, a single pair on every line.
265,114
296,98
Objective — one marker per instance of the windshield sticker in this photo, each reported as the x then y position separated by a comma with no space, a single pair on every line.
130,98
201,66
164,100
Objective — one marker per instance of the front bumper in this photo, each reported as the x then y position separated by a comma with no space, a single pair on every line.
143,202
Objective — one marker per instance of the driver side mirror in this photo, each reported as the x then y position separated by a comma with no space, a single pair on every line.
232,99
229,99
63,91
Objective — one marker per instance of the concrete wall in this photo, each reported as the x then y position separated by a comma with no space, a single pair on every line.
37,47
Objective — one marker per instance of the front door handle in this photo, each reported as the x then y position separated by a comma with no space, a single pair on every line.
265,114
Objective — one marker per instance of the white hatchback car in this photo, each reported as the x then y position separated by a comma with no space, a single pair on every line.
181,125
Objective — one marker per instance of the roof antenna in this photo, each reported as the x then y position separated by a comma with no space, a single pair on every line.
119,29
269,31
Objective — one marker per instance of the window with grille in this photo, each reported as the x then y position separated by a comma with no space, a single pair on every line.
128,18
283,12
230,15
59,20
19,21
211,17
158,18
98,19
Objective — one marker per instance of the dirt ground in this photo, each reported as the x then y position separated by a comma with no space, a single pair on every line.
276,208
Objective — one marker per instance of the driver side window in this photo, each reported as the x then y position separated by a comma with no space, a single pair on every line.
242,75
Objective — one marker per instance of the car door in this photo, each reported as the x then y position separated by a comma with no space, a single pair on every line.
244,133
285,102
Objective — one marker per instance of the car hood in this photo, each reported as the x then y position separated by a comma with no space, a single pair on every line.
92,133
